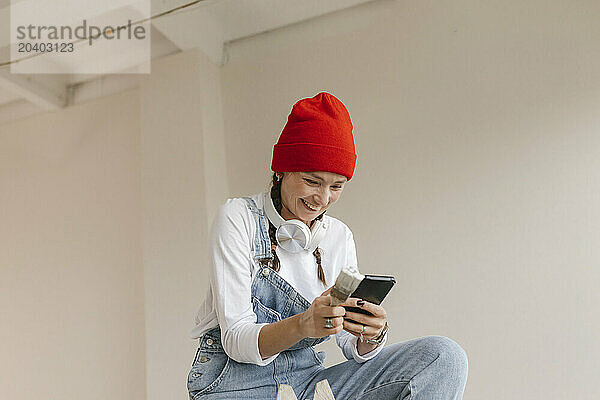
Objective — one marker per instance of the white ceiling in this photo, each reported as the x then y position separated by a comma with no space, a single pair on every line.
207,25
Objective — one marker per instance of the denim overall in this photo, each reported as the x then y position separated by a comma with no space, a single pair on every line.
273,299
433,367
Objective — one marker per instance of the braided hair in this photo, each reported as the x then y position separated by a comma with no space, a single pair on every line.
275,265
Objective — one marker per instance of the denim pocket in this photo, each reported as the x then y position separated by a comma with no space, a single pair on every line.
208,370
319,356
263,313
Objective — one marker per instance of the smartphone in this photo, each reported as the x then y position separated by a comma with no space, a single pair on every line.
373,288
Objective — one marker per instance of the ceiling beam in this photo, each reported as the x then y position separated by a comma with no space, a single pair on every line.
194,27
46,91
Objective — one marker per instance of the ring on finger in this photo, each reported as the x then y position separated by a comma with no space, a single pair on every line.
362,339
328,323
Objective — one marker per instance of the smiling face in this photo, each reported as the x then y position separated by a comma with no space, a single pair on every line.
306,195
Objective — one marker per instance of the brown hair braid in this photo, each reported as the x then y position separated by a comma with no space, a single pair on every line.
275,265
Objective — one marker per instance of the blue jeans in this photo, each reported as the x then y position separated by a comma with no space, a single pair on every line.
427,368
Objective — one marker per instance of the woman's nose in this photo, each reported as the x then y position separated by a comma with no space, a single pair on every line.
323,196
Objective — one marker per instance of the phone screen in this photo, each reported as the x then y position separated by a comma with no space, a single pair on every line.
373,288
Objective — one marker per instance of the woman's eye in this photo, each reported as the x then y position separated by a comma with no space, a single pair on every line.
311,182
336,187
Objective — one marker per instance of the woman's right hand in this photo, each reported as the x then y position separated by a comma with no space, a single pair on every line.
312,321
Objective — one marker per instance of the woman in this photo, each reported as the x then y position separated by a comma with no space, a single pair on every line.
274,256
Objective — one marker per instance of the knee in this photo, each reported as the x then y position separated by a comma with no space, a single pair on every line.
452,359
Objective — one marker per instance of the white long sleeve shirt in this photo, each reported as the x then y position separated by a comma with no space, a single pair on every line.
232,268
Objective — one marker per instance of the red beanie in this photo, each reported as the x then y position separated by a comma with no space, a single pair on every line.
316,137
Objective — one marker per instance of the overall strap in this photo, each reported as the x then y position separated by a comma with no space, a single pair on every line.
294,302
262,242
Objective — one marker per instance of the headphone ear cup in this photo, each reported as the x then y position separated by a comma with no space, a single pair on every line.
293,236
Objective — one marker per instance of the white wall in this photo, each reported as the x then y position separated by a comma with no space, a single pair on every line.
183,179
105,212
478,172
71,283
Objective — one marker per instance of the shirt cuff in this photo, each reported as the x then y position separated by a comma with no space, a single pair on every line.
365,357
259,360
241,344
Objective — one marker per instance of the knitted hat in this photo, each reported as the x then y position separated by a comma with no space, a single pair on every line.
316,137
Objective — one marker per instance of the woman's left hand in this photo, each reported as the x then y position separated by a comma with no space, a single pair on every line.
369,325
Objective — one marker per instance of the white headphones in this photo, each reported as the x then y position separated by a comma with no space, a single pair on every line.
293,235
